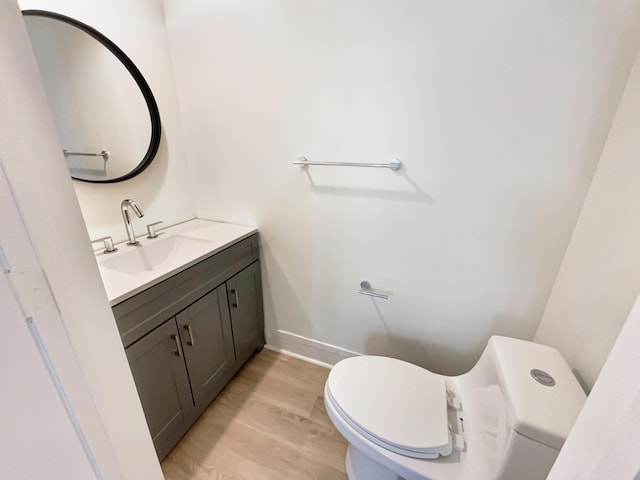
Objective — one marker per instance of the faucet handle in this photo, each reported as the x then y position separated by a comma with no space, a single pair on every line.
151,230
108,244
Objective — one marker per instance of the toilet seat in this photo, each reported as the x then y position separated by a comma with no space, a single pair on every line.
396,405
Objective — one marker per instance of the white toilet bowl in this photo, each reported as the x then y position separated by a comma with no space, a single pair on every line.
501,420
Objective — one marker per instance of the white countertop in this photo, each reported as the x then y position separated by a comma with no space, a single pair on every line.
133,269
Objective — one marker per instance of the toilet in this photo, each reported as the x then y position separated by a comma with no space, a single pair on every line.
506,418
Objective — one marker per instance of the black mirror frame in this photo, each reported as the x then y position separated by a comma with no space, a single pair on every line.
154,113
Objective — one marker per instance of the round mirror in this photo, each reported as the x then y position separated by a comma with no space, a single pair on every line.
107,119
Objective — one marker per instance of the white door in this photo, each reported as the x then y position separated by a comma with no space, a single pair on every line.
38,439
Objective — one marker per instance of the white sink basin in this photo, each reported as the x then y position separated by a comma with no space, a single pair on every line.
149,257
135,268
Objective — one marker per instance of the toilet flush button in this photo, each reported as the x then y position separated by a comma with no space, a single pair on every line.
542,377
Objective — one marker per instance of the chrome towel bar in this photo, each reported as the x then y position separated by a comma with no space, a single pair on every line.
104,154
365,289
393,165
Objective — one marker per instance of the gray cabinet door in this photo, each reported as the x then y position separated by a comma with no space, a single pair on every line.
161,378
205,330
244,292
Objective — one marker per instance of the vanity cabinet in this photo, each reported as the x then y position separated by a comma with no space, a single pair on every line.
245,298
163,384
187,336
207,343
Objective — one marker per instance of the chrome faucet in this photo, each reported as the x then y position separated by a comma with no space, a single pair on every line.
124,206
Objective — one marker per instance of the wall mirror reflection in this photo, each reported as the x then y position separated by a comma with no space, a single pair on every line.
104,110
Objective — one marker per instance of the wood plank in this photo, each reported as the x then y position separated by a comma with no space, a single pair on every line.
268,423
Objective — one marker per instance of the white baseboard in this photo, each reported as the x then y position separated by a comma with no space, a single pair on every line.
320,353
297,355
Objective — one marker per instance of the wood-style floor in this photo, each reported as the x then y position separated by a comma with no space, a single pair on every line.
268,423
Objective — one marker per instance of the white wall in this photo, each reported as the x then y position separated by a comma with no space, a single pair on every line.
162,191
600,274
498,109
603,443
36,171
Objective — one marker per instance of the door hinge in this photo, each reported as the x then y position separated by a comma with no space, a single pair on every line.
6,268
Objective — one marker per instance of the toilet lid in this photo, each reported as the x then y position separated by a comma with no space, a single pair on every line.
397,405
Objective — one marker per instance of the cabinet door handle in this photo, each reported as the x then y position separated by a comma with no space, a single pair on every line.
178,352
191,342
235,296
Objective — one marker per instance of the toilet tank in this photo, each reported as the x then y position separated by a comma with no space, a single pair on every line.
540,390
536,398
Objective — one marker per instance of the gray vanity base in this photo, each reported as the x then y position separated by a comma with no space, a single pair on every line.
187,336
